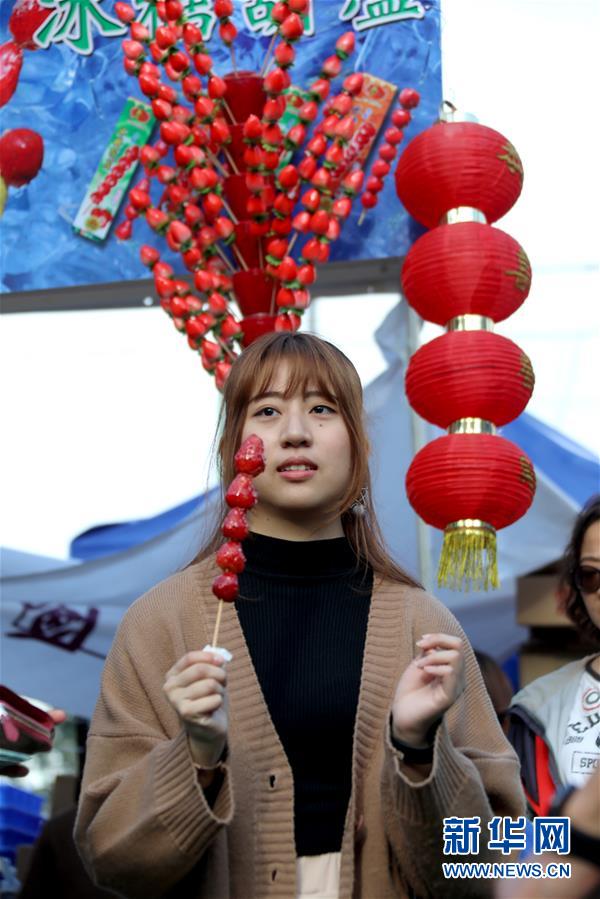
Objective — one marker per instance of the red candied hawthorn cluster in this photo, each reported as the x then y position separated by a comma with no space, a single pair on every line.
409,99
241,496
234,197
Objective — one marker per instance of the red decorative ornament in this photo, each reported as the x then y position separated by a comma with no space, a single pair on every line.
471,476
455,164
469,374
470,485
456,178
465,268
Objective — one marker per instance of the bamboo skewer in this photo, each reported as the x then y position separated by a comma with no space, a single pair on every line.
236,171
231,355
225,258
229,211
218,164
267,61
239,257
217,623
228,109
290,246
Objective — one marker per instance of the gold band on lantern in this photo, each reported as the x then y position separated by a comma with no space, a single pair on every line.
463,214
472,426
468,559
470,322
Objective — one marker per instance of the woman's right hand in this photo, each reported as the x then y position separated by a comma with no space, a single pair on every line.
195,687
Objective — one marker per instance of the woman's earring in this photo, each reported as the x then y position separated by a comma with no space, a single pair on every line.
359,506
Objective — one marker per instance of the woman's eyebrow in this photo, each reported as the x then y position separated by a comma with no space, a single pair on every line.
278,395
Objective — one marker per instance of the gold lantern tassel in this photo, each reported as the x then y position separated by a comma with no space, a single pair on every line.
468,559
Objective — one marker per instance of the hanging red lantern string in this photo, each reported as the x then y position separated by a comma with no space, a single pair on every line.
456,178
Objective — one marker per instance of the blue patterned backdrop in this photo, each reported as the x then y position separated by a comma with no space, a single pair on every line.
74,101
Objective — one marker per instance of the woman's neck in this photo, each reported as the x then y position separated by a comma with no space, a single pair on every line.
310,528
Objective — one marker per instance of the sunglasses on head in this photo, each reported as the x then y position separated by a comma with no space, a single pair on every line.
586,578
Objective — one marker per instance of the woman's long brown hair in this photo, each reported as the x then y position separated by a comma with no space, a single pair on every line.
310,359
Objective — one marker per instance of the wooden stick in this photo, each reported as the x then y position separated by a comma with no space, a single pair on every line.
239,257
228,110
261,258
225,347
361,217
217,623
218,164
230,161
225,259
233,63
267,54
290,246
229,211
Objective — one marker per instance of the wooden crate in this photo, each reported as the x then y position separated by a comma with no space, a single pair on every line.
537,602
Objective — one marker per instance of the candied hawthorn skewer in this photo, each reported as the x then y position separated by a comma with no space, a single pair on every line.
409,98
241,496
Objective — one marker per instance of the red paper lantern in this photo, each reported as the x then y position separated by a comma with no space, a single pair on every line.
465,268
469,374
456,164
470,476
469,485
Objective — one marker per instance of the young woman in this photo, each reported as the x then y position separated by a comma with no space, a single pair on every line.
352,719
555,720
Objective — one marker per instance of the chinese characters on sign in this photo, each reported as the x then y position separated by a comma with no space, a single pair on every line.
74,22
550,834
369,13
257,17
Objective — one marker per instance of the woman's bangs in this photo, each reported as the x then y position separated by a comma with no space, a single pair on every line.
306,370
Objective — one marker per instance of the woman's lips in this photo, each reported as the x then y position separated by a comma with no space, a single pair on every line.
297,475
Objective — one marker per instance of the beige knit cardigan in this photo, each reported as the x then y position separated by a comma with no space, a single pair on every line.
146,830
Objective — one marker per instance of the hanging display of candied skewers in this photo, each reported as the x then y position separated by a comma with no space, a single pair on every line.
408,99
234,195
241,496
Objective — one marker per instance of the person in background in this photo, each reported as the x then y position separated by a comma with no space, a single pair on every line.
498,685
59,716
352,719
555,720
55,868
582,806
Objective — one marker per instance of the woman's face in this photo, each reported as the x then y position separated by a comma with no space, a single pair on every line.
300,430
590,558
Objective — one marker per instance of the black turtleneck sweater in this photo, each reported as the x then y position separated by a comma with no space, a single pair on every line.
305,627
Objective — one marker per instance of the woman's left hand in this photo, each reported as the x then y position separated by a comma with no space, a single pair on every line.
430,685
